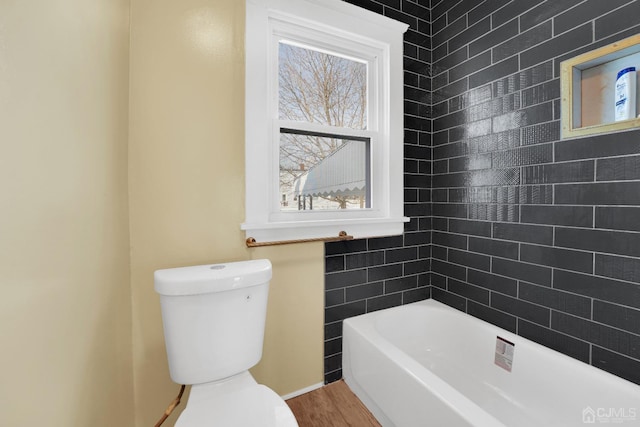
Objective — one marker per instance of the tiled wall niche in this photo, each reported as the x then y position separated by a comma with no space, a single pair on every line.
537,235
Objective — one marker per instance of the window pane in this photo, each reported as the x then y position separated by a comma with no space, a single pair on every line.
319,172
317,87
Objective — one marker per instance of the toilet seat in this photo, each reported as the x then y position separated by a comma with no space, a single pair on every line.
236,404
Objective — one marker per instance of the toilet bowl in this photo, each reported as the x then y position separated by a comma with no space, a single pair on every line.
213,318
238,401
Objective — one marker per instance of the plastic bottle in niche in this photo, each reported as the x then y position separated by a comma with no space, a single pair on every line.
625,102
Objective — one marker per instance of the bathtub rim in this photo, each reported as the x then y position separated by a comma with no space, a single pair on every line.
364,328
472,413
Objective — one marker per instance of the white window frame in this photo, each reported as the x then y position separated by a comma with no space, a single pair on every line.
337,27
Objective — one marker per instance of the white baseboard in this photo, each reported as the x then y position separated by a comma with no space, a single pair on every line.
302,391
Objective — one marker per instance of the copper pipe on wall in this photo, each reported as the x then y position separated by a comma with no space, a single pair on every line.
251,242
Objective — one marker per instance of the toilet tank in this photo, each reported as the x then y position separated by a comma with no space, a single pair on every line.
213,318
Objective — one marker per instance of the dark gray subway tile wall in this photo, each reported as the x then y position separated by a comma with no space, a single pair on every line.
372,274
508,222
564,267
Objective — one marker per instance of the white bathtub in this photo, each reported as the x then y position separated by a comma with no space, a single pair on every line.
426,364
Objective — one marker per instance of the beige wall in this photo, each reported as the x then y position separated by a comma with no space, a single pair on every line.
186,186
75,251
65,310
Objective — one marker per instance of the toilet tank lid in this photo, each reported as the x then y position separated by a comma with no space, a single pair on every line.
210,278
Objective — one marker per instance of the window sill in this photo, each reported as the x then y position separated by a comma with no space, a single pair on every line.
358,228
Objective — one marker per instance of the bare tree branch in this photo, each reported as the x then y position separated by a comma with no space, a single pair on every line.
317,87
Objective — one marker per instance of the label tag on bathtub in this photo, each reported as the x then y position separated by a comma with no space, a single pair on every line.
504,353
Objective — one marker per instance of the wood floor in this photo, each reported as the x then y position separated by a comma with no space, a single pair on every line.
333,405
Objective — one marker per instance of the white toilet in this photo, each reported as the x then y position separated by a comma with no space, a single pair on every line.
214,318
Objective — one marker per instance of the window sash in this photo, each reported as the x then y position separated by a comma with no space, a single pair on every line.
375,163
316,128
345,45
332,42
367,161
313,73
